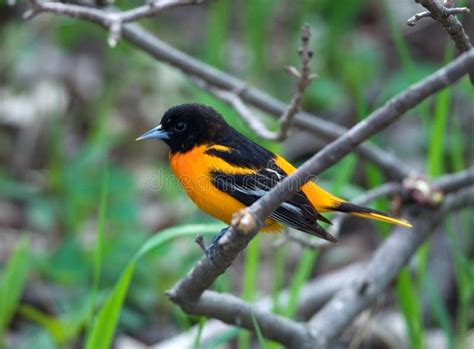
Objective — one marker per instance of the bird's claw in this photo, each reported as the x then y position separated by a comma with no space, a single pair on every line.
214,247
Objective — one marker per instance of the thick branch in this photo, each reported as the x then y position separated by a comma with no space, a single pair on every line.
312,295
234,311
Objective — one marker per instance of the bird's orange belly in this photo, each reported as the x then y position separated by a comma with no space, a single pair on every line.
192,169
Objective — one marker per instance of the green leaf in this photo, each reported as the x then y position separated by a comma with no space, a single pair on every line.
103,329
303,271
261,340
197,340
12,282
106,322
411,308
252,258
61,328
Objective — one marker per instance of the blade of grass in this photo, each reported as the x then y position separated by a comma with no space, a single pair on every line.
99,246
261,341
100,233
62,328
438,129
464,273
217,29
252,257
12,282
440,311
104,326
411,308
217,342
197,340
303,271
278,267
106,321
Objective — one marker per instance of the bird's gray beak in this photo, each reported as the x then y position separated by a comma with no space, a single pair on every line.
156,132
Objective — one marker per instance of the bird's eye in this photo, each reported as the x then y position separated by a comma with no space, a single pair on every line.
180,127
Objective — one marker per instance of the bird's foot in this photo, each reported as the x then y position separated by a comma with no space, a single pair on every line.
214,247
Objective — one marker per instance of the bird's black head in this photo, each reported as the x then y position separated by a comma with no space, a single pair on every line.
187,125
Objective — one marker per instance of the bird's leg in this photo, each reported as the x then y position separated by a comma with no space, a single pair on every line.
211,250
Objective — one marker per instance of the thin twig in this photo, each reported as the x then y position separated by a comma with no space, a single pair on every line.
234,311
425,14
446,17
201,243
112,20
304,79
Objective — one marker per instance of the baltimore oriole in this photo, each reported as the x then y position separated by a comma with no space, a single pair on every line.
223,171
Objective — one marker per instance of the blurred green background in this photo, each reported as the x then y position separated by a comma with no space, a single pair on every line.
79,198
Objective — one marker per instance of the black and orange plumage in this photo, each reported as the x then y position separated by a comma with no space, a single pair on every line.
223,171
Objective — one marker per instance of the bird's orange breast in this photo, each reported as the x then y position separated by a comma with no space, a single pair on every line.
193,170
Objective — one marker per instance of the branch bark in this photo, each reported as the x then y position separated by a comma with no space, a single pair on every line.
331,320
447,18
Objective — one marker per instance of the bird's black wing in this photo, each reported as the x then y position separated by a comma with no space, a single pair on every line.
297,212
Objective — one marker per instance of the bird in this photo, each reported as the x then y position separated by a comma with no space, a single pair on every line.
222,171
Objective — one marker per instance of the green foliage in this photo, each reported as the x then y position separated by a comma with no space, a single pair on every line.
105,323
303,271
12,282
250,275
261,341
410,305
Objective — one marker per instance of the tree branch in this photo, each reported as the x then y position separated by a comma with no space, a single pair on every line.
333,318
113,20
446,17
427,14
312,295
453,182
234,311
